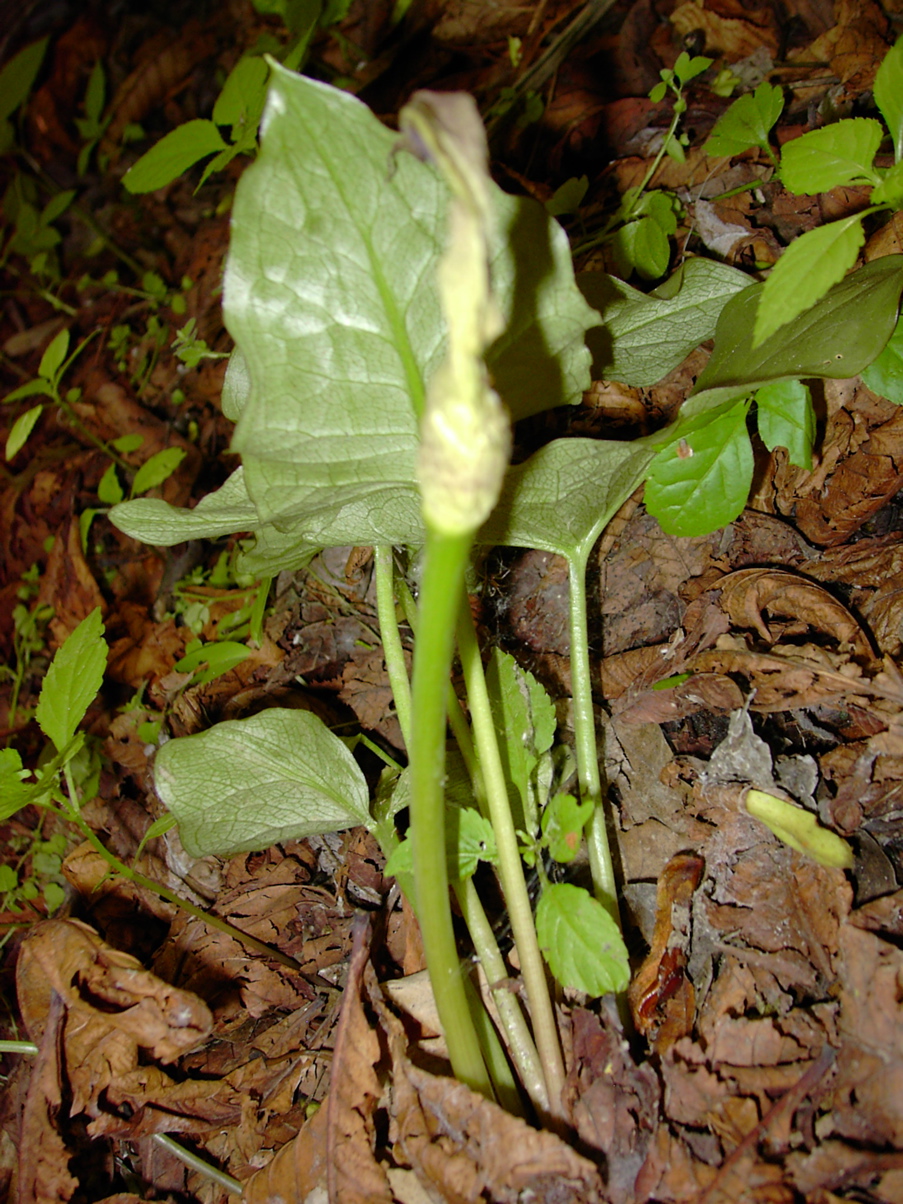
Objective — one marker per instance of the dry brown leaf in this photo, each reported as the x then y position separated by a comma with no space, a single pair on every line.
68,585
613,1103
730,27
748,593
661,995
43,1171
336,1147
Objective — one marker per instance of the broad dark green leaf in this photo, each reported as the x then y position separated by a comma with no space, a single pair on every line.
838,337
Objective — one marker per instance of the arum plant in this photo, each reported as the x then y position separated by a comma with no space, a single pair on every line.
379,316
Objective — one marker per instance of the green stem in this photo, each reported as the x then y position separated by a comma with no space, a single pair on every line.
157,888
199,1165
442,587
600,861
391,639
519,1039
514,1024
510,867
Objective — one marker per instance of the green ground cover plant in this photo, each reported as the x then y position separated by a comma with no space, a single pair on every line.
373,346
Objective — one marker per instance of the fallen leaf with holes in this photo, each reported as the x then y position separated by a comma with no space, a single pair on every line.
113,1008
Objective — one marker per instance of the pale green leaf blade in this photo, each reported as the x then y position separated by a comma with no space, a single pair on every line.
21,429
747,122
224,512
805,272
889,95
642,246
699,481
178,150
246,784
562,497
157,469
838,337
885,374
330,294
580,941
834,155
18,75
644,336
74,677
525,715
786,419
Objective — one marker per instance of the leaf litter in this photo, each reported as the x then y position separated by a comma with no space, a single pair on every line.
768,1000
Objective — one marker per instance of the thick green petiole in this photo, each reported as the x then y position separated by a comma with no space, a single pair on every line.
510,867
601,867
442,587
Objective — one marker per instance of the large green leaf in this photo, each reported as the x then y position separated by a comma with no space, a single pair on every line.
560,499
331,296
836,338
644,336
249,783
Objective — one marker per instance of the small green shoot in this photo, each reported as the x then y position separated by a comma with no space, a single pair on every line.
91,127
239,107
16,80
747,123
837,155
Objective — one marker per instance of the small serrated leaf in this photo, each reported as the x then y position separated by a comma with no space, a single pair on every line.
827,158
74,677
700,480
805,272
786,419
747,122
580,941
